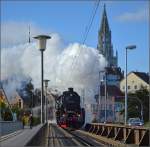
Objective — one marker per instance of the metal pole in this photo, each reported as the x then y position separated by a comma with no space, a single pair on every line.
105,95
126,90
99,99
46,106
31,102
83,98
42,90
45,103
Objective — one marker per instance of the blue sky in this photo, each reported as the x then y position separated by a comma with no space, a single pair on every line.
128,22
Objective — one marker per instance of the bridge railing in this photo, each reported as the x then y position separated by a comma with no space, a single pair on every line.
124,134
7,127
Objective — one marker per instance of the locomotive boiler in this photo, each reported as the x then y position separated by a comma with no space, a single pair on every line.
68,110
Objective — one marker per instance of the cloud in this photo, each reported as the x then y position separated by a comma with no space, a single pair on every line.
65,65
14,33
137,16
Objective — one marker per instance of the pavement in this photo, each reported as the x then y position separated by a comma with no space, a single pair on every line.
19,138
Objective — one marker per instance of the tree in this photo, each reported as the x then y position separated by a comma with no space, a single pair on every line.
26,92
134,107
18,111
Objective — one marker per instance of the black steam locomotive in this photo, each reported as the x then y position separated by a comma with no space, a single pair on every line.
69,112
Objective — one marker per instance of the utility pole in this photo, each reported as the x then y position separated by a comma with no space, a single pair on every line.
29,35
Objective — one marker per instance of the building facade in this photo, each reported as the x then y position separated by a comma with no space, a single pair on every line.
2,98
135,81
17,101
114,103
113,76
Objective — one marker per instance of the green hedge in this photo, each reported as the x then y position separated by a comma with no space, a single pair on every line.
36,121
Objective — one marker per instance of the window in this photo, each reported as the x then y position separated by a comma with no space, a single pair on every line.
135,87
128,87
19,103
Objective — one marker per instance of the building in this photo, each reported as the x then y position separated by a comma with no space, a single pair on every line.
135,81
2,97
119,108
113,76
112,71
114,104
105,46
17,101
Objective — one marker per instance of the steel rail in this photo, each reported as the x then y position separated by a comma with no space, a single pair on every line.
63,137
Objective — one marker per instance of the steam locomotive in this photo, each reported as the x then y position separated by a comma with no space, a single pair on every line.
68,110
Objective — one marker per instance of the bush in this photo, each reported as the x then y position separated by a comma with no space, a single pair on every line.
36,121
94,120
7,116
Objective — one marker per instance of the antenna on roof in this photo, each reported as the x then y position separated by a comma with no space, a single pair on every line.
29,34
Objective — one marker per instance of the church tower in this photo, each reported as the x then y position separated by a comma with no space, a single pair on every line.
104,42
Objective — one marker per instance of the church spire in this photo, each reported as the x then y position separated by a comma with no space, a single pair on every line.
104,23
104,41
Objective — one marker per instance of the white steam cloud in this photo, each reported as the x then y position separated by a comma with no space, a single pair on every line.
74,65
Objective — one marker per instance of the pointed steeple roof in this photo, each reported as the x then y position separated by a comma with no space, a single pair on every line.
104,22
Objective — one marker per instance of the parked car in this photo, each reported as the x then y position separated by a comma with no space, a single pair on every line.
135,122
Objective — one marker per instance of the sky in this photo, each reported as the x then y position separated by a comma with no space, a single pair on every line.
128,21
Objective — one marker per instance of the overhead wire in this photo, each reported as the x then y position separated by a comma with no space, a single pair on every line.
87,29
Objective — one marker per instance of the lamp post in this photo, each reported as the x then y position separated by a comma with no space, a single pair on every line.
105,95
99,102
99,93
131,47
42,46
46,100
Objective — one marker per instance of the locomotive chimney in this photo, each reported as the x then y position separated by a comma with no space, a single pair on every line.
70,89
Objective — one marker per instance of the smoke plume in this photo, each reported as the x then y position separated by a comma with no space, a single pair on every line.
74,65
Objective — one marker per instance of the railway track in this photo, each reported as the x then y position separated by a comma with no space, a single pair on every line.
58,137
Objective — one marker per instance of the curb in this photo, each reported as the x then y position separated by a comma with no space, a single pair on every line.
10,135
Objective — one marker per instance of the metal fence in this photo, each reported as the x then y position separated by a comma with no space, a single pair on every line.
7,127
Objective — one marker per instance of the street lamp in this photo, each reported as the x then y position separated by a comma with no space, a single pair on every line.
42,46
46,100
105,101
131,47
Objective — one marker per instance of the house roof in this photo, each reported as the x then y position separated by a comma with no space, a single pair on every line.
142,75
